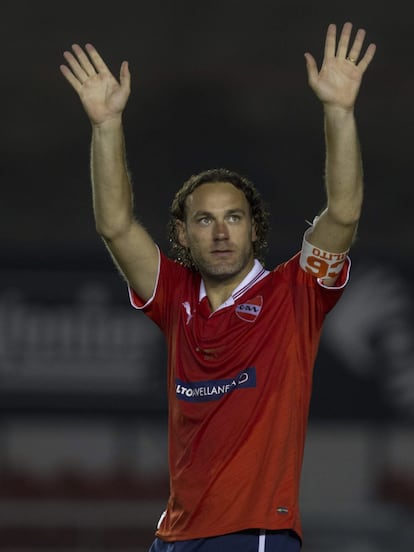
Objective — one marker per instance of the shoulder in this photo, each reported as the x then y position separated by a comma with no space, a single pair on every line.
305,285
172,280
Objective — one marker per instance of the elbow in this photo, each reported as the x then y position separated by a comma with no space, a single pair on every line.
345,214
111,231
350,219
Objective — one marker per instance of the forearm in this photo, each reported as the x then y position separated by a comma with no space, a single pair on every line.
111,188
344,173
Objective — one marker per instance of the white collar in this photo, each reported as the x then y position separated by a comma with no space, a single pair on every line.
256,274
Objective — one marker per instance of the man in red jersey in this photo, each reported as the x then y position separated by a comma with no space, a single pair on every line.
242,340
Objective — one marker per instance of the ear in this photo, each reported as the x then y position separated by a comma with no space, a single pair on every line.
181,233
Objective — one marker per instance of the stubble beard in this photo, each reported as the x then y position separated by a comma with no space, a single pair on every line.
222,270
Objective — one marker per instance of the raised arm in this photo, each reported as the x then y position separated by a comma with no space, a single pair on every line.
104,100
337,85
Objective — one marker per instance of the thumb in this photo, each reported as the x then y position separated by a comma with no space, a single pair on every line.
125,76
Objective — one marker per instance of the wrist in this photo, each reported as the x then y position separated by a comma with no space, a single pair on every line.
108,125
338,111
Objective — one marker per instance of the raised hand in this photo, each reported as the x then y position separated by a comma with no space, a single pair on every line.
102,96
338,81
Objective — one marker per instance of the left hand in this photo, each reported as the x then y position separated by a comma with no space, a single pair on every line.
337,83
103,97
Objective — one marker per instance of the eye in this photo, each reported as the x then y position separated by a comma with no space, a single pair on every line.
234,217
204,221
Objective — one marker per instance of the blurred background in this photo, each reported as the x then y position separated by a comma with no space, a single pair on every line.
83,450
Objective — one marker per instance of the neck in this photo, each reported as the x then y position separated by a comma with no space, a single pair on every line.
217,294
219,290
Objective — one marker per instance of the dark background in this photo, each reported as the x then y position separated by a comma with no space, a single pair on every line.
218,83
221,83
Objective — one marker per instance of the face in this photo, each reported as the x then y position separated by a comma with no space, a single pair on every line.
219,231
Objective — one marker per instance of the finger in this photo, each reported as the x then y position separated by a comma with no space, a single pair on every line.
330,42
125,76
311,68
357,46
98,62
344,40
70,77
368,57
84,60
75,66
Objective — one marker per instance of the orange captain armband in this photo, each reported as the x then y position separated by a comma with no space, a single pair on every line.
323,265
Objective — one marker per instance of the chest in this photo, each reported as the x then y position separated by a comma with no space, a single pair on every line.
234,337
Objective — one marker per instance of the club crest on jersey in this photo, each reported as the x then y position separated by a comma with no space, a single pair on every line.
250,310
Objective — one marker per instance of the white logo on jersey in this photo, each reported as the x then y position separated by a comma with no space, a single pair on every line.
213,390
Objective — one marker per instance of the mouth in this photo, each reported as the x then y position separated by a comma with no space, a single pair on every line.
219,253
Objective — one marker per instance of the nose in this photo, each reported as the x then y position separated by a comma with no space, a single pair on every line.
220,231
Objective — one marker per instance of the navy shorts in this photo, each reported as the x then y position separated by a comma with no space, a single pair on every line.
253,540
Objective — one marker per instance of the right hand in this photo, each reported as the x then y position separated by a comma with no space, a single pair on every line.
102,96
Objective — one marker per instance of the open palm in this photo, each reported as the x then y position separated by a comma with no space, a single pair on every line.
338,81
102,96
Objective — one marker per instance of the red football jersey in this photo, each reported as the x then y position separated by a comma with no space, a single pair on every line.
239,385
